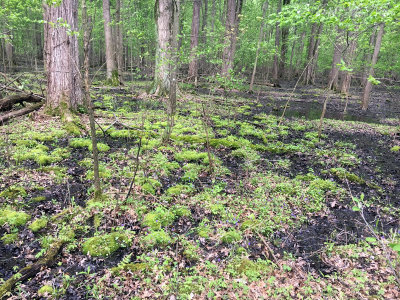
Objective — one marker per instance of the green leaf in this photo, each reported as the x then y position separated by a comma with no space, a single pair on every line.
355,208
395,247
371,240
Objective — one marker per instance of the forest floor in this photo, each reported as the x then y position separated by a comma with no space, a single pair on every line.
235,206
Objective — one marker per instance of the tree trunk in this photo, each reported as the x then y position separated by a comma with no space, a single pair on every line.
260,37
346,81
165,10
368,85
231,29
312,53
194,41
285,36
337,56
275,70
368,57
112,72
62,61
119,39
9,52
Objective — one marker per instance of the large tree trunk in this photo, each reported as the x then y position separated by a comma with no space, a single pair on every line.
285,36
275,70
112,72
194,41
62,61
231,29
368,85
337,56
165,10
119,40
260,37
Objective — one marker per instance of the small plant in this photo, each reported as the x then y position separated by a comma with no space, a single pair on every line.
232,236
106,244
38,224
158,219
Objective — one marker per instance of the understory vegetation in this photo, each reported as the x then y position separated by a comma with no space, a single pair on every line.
236,205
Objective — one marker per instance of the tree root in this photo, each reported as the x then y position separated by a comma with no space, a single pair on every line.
31,270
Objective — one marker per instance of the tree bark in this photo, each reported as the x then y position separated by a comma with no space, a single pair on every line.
62,61
368,85
194,41
260,37
112,72
312,54
231,29
165,10
119,40
7,102
285,36
368,56
9,52
346,81
275,70
337,56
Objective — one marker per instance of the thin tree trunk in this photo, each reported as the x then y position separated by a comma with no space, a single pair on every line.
337,56
368,57
194,41
275,70
346,81
112,72
204,23
231,29
87,26
119,39
368,85
260,37
285,36
290,73
62,61
9,52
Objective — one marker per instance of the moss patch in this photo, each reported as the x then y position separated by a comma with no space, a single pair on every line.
46,289
13,192
157,239
106,244
38,224
13,218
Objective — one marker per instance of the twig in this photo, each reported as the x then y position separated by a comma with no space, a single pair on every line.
136,169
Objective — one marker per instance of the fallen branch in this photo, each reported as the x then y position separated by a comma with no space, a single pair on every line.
31,270
21,112
7,102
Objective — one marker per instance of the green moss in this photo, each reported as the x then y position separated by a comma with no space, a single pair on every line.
179,189
100,146
158,218
149,185
125,133
191,172
231,236
106,244
13,218
190,251
190,155
181,211
217,209
343,174
80,143
9,238
395,149
72,128
61,153
13,192
157,239
38,224
46,289
250,223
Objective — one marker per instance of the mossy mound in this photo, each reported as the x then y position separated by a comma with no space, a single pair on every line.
46,289
157,239
38,224
395,149
13,218
106,244
159,218
190,155
13,192
9,238
178,190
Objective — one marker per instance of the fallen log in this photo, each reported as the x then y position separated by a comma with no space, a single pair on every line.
7,102
31,270
4,118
